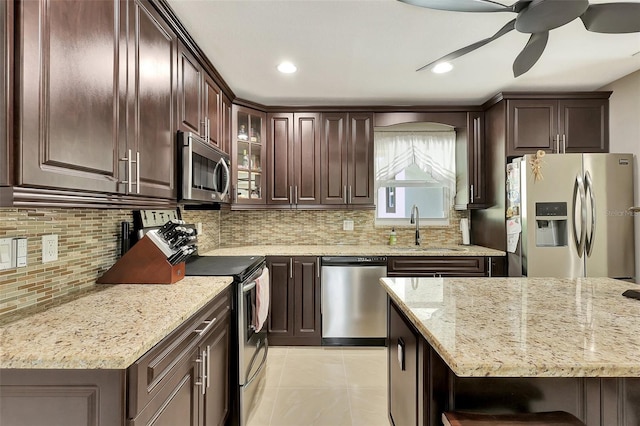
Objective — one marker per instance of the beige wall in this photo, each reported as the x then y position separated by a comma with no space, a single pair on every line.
624,133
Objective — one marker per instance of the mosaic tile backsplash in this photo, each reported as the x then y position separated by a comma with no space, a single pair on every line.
89,242
290,227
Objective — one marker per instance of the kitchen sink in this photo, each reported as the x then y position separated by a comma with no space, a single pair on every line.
428,249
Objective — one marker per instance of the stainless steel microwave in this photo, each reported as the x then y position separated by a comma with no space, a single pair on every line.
206,171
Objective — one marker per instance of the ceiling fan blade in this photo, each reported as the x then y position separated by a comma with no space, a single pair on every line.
509,26
612,18
544,15
461,5
531,53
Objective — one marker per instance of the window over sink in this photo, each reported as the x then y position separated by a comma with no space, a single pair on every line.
414,165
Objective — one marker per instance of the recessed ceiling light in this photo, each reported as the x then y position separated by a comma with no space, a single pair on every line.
442,67
287,68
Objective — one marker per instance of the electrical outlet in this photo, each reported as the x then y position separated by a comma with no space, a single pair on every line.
347,225
49,248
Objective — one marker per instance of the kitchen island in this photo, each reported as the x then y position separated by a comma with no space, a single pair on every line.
513,345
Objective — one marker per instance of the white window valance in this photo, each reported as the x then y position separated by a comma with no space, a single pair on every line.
433,152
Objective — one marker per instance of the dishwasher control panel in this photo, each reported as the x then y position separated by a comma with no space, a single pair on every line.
353,260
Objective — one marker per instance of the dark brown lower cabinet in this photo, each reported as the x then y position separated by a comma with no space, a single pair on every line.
403,370
445,266
294,314
183,380
215,404
177,401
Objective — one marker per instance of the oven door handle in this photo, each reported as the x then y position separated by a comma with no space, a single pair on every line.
263,362
248,287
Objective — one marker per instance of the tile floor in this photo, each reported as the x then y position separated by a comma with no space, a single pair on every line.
324,386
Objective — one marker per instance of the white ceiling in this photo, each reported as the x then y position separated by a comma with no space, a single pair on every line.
365,52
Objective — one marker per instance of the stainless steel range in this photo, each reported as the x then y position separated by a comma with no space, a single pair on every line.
249,355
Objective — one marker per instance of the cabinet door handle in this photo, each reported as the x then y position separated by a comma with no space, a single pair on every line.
564,143
295,198
318,266
472,194
401,347
290,194
209,324
290,267
350,195
208,366
344,194
137,172
128,179
203,375
558,143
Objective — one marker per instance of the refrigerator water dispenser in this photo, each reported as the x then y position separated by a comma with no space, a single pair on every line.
551,224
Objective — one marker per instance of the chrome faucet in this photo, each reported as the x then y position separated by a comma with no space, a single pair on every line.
415,218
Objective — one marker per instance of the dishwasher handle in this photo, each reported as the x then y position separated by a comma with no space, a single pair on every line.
354,261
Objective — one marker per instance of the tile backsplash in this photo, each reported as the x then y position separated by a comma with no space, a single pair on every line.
89,242
290,227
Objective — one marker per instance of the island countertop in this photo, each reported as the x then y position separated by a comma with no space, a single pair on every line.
525,327
106,329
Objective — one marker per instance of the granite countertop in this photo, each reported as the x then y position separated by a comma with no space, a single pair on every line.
355,250
525,327
107,329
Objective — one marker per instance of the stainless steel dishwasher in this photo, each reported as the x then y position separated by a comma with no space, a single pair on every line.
354,304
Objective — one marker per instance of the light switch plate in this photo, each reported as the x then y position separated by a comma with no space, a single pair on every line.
5,253
21,252
49,248
347,225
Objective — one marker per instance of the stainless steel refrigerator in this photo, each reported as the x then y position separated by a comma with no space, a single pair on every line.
568,216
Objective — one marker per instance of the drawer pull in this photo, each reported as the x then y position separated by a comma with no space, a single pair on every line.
202,332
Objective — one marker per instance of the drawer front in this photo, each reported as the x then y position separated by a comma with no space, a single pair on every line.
446,266
147,376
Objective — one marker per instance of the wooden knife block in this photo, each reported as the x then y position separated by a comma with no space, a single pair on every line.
144,263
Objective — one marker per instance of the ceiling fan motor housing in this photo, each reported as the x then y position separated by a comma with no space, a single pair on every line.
545,15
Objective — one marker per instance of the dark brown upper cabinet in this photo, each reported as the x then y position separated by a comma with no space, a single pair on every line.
347,159
293,155
475,159
6,98
80,125
248,156
199,100
190,93
152,99
557,125
72,90
226,124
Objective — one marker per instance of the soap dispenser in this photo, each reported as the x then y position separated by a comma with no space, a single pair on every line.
393,238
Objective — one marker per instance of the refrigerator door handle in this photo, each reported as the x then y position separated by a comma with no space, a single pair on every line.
592,202
578,190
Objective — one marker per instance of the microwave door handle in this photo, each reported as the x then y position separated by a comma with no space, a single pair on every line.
227,174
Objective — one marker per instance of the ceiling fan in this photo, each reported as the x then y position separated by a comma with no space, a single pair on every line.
538,17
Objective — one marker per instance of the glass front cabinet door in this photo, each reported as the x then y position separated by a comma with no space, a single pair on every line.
249,131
